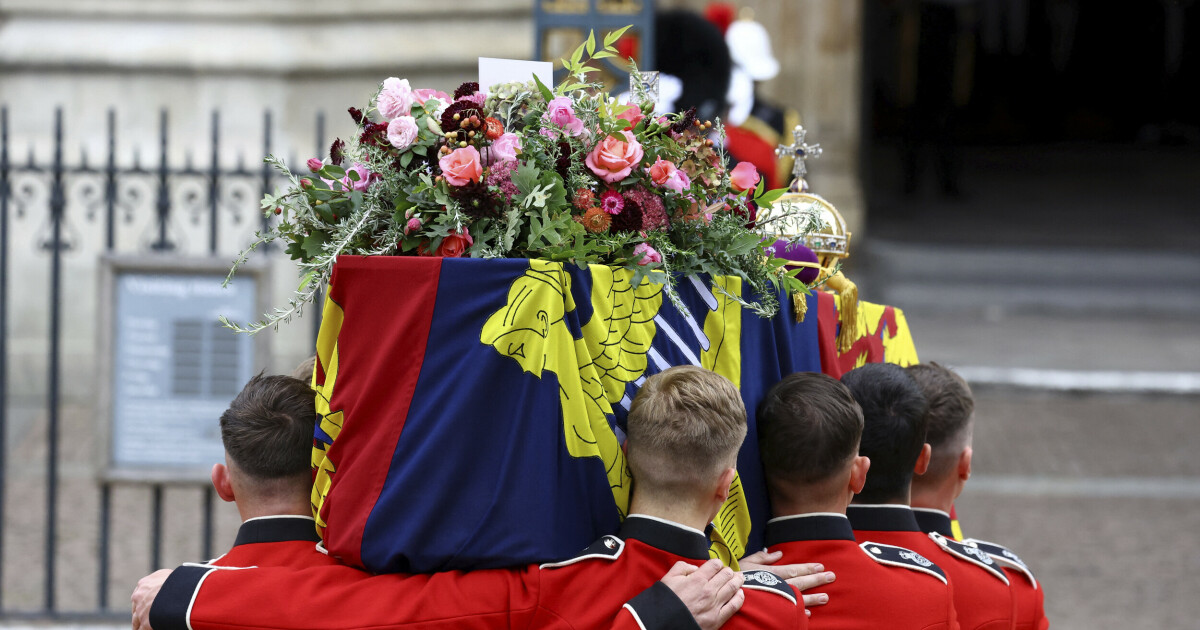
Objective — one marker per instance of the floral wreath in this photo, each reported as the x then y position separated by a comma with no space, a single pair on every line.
521,170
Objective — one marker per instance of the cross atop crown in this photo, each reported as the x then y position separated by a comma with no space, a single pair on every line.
800,151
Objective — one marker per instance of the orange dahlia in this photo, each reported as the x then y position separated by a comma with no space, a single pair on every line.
596,221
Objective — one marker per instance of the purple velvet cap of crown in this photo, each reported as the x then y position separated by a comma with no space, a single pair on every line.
798,252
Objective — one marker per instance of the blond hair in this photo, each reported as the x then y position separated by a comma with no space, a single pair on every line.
685,427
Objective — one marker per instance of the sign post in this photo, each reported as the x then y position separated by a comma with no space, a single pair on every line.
168,366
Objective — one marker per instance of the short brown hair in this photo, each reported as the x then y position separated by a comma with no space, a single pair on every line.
685,426
268,428
951,406
809,427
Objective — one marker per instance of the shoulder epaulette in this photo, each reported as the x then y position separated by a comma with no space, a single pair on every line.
1004,556
607,548
767,581
969,553
901,557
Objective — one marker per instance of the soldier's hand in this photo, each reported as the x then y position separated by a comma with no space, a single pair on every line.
143,597
801,576
711,591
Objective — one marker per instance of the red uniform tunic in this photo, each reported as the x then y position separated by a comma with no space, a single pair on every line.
1030,601
870,591
276,541
982,598
611,584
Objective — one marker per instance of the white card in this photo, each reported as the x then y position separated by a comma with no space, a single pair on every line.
493,71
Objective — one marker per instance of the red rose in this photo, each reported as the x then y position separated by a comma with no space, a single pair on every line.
455,245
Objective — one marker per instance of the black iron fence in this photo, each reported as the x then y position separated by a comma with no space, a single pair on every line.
187,203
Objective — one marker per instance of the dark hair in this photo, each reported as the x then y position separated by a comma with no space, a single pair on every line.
268,428
893,427
950,409
808,428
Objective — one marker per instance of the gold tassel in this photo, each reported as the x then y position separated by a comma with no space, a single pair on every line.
800,305
800,299
847,310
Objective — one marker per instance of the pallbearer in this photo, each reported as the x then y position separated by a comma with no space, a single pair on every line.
685,427
951,416
809,429
894,413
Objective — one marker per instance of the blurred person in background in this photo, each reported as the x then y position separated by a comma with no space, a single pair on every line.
936,57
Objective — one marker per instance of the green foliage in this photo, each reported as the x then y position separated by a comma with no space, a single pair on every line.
408,205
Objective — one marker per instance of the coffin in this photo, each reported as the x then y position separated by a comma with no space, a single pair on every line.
473,410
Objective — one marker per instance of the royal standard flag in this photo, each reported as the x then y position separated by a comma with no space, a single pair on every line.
473,410
884,337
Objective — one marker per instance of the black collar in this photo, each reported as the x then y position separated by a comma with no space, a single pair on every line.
269,529
669,537
882,518
801,527
933,521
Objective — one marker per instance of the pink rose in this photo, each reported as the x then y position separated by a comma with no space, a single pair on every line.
461,166
364,177
612,160
744,176
314,164
678,181
634,115
561,112
505,148
661,170
396,98
414,224
649,254
667,175
402,132
455,245
424,94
